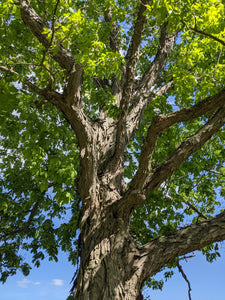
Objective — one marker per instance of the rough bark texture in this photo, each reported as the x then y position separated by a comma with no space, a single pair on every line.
112,266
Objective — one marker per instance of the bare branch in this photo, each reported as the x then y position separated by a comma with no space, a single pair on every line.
215,172
186,257
185,278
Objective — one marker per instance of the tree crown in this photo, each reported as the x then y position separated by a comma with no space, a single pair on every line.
153,71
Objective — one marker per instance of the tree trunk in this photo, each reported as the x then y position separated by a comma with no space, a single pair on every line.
107,251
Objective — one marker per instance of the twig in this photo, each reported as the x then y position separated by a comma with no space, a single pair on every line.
213,37
215,172
186,257
196,210
185,278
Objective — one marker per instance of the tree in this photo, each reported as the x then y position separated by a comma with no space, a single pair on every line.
114,111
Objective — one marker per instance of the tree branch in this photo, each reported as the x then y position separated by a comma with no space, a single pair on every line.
24,229
167,248
65,59
71,98
165,88
211,36
143,91
32,21
162,122
185,150
185,278
69,105
196,210
144,182
128,80
113,34
49,95
166,43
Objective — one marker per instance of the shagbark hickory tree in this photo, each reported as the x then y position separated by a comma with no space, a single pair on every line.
113,111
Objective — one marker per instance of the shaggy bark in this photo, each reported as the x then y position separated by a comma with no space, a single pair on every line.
112,265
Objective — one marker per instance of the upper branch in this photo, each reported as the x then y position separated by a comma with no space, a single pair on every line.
143,93
145,182
113,33
166,43
33,21
129,76
185,150
132,57
71,104
163,122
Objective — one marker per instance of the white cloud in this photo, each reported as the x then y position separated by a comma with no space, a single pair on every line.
57,282
25,283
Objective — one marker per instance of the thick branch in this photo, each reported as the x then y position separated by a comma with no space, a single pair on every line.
140,187
32,20
113,34
66,60
69,106
166,44
161,123
143,93
167,248
73,90
128,80
185,150
133,56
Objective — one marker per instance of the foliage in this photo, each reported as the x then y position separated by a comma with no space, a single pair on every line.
40,157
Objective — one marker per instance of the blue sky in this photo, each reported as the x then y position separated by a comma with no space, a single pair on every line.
52,281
